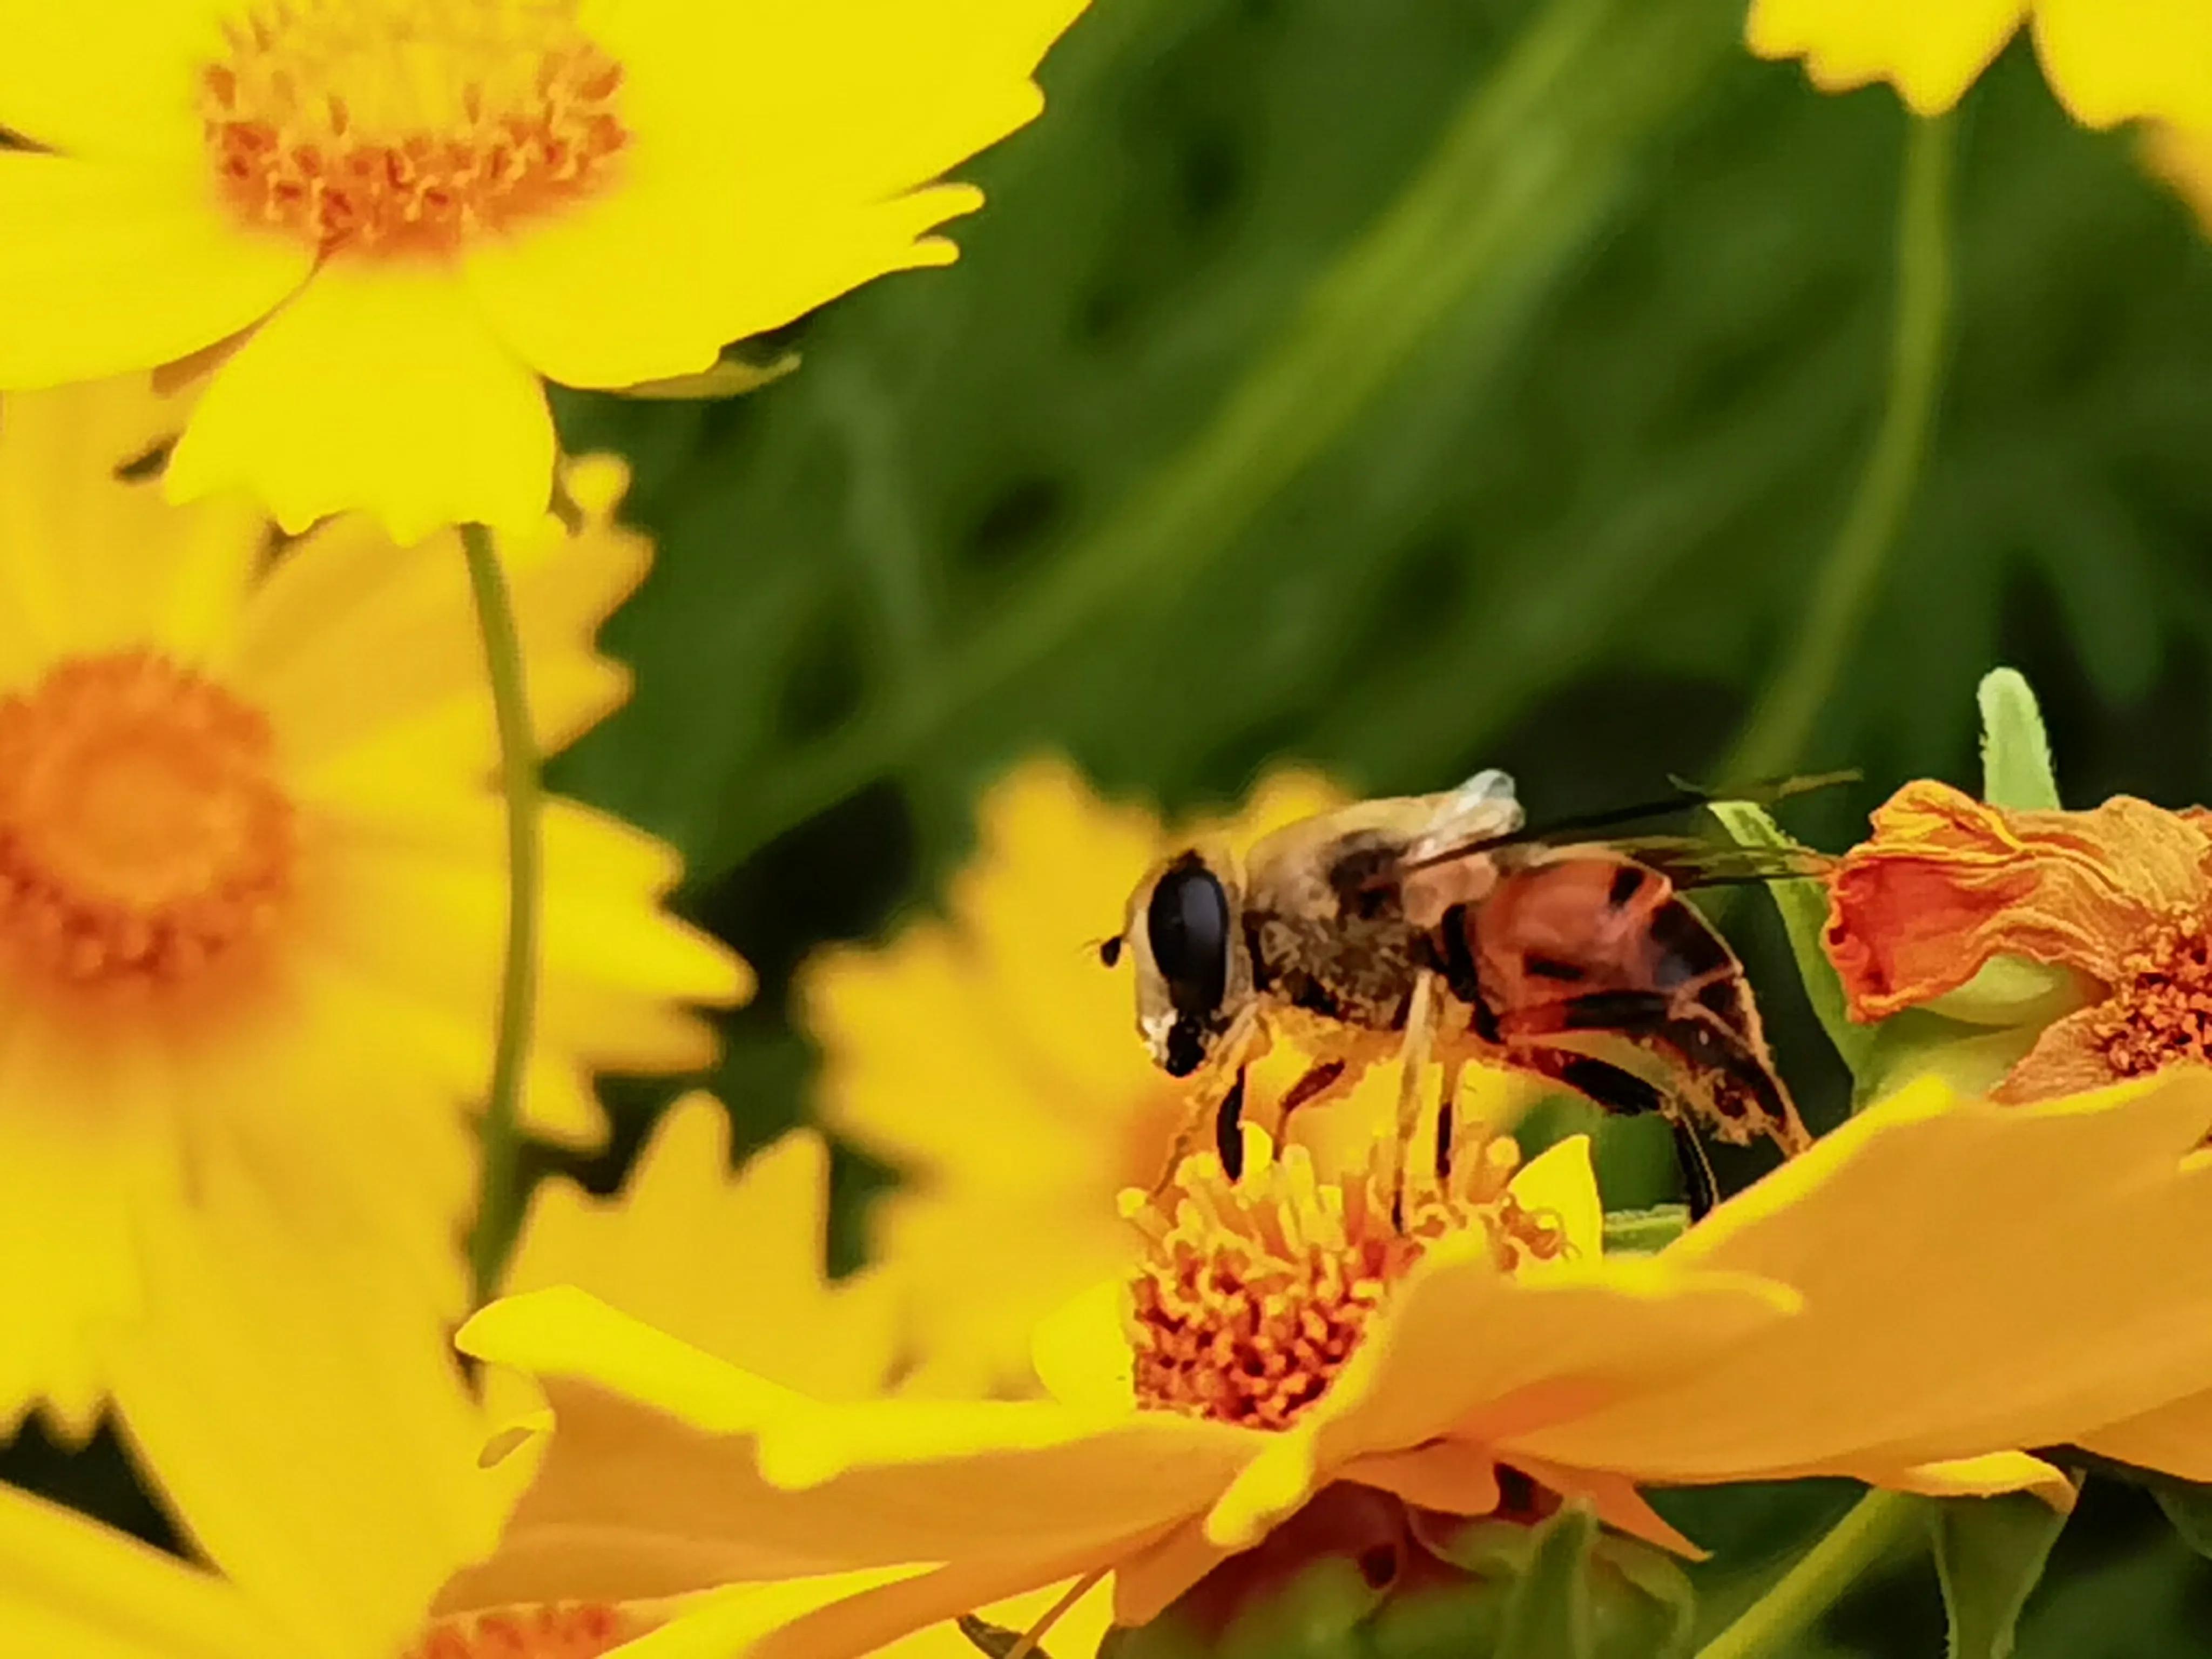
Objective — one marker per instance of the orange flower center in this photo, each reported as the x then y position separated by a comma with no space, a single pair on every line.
1254,1293
143,836
2160,1009
568,1630
409,125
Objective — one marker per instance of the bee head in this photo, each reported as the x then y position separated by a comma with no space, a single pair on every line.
1193,972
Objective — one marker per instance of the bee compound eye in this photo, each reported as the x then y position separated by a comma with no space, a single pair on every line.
1187,924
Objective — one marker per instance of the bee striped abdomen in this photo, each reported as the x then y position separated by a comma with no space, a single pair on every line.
1589,945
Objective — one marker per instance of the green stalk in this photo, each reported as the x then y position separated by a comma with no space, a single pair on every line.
499,1207
1822,1574
1849,578
1523,176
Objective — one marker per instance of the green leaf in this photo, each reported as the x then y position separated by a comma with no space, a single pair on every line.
2016,770
2190,1509
1549,1615
1644,1231
1990,1553
1647,1608
1803,905
1317,1615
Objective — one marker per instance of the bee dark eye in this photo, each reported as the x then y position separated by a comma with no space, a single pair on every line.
1109,951
1187,925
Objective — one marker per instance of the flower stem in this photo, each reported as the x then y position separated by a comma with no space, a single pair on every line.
1821,1574
1850,579
499,1207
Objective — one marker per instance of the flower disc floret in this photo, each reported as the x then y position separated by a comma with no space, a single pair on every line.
144,836
567,1630
409,125
1253,1293
2160,1010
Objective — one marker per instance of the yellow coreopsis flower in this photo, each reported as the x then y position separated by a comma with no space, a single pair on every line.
398,217
2108,60
734,1266
253,889
1940,1281
991,1059
355,1555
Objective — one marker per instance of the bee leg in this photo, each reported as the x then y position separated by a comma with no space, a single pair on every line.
1698,1187
1324,1080
1229,1128
1447,1112
1412,1061
1624,1092
1247,1041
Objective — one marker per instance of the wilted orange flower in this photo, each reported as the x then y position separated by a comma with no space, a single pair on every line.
2121,895
394,216
1848,1315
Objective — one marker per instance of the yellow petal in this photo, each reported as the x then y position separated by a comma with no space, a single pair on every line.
730,1621
1976,1277
1551,1346
137,94
633,1502
69,1586
2116,60
662,1251
2175,1439
868,104
563,1332
1987,1476
1560,1182
1929,50
370,656
294,1397
876,1621
89,563
378,388
115,266
1082,1351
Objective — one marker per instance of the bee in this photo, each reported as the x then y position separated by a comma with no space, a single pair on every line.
1440,925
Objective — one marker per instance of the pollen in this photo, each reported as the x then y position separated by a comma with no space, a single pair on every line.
408,126
566,1629
2161,1009
144,838
1254,1293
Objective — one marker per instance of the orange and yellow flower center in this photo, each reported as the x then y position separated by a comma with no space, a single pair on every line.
570,1629
2160,1010
1253,1293
409,125
144,835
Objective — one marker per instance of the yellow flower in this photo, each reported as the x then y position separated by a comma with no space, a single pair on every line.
252,891
1849,1315
354,1556
2108,60
396,216
734,1267
993,1059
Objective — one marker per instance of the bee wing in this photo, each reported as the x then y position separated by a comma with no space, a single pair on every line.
1434,848
1693,861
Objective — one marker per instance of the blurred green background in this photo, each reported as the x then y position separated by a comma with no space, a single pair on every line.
1409,387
